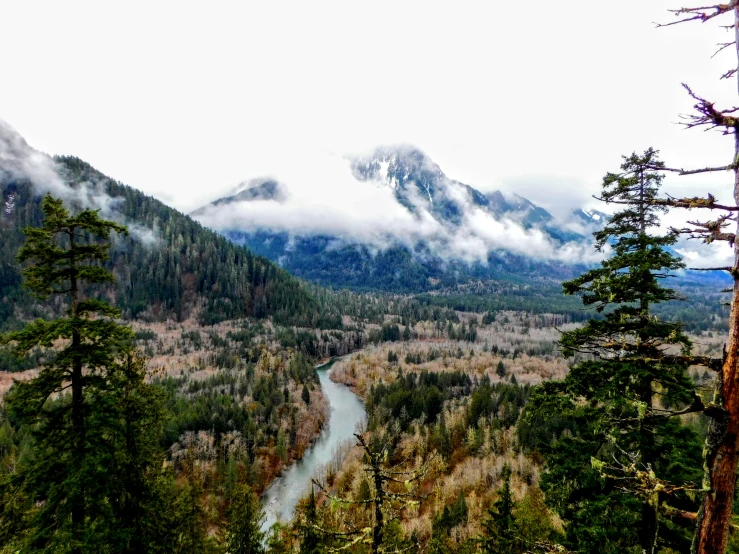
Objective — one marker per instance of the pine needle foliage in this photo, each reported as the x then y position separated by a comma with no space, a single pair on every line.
63,476
618,403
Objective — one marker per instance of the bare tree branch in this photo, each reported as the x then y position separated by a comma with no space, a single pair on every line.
695,202
701,13
681,171
708,115
723,46
709,231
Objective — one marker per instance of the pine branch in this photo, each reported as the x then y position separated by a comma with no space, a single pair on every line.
708,203
642,482
671,512
703,361
659,414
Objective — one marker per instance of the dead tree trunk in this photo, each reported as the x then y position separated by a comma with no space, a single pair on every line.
722,448
722,443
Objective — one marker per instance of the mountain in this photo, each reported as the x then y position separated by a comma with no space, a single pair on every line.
506,204
170,266
254,190
452,232
419,183
592,218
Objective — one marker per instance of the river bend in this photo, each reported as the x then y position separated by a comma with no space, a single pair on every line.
347,410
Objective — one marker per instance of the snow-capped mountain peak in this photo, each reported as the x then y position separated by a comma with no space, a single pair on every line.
591,217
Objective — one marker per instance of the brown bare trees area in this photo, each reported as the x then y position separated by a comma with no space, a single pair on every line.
241,361
469,444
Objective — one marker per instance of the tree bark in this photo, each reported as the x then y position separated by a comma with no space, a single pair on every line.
722,448
377,532
78,496
649,530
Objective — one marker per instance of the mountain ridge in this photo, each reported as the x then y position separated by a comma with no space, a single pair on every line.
170,266
455,212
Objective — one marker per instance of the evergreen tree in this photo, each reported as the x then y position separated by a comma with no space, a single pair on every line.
129,417
245,516
635,373
189,519
500,533
500,369
63,476
281,445
533,519
310,538
599,516
279,539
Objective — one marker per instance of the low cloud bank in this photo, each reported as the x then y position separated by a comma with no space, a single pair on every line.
19,161
325,198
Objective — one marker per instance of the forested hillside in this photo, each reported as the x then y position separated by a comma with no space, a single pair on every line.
168,267
397,268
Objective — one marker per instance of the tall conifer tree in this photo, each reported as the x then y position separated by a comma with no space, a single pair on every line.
310,539
63,477
500,530
245,517
634,379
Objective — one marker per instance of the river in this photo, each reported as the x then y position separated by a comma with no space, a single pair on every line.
347,410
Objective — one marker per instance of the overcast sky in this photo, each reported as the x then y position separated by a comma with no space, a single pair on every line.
186,100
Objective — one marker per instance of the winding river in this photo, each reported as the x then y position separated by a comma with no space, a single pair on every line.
347,410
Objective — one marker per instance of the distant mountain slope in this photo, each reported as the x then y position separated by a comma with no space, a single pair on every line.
254,190
395,269
592,218
170,265
452,233
419,183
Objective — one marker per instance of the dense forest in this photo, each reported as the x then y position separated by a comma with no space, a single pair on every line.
397,269
169,266
488,430
218,408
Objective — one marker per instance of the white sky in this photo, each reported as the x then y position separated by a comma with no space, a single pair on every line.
185,100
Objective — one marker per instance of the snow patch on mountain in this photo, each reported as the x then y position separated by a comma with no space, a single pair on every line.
398,196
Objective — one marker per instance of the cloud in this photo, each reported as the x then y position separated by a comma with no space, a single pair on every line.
556,194
19,161
325,198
